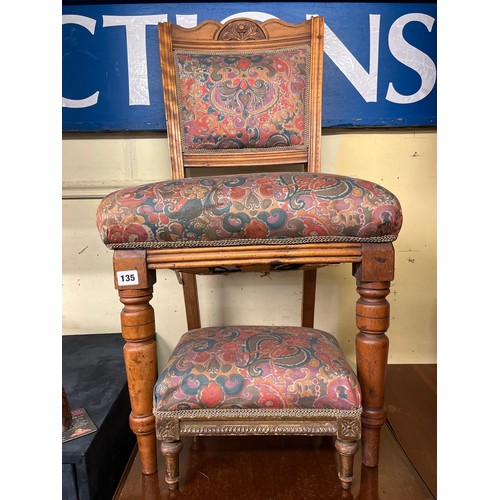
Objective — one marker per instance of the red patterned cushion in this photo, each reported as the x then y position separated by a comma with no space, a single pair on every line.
257,367
249,209
243,100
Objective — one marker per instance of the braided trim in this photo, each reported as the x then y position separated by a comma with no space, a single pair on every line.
257,241
256,412
246,149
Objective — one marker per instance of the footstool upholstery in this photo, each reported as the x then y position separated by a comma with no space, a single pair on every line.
256,367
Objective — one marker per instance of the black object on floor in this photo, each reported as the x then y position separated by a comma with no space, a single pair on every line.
81,424
94,378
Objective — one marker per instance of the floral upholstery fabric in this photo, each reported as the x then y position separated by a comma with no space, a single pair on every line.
249,100
249,208
257,367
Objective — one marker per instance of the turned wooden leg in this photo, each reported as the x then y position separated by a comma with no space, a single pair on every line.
347,450
372,347
170,451
373,276
138,330
191,303
308,297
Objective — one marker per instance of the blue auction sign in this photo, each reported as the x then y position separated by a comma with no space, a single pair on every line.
379,65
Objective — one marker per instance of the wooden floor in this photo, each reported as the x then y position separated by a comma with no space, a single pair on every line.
303,468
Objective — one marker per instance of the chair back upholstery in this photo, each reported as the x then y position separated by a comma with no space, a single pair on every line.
243,93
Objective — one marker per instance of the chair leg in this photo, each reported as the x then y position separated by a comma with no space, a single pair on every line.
140,362
308,297
190,289
372,347
347,450
139,352
170,451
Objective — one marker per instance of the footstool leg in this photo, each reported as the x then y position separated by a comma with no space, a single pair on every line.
170,451
347,450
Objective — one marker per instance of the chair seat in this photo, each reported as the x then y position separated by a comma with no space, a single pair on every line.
249,209
259,368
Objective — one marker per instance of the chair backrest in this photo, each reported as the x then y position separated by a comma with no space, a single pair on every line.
243,93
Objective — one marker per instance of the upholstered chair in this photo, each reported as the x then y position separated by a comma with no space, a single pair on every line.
247,95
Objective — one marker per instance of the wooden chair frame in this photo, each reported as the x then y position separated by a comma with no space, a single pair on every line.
373,269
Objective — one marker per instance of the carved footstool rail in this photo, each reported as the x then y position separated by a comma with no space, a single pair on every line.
171,426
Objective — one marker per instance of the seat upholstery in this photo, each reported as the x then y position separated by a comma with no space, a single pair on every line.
257,367
249,208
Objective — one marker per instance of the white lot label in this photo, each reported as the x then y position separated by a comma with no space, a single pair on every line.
127,278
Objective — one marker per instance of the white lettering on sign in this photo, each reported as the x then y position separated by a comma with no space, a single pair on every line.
256,16
126,278
135,30
365,82
412,57
187,20
89,24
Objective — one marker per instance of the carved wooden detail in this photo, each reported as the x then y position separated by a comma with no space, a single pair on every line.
241,30
168,430
228,429
349,428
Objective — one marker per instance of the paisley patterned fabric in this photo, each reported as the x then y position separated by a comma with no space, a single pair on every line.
249,208
259,367
244,100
